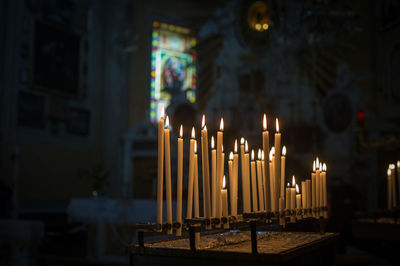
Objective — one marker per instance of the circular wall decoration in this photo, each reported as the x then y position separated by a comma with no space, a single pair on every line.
337,112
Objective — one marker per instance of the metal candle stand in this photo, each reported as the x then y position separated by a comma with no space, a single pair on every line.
246,221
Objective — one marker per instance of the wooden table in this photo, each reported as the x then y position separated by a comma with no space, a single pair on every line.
234,248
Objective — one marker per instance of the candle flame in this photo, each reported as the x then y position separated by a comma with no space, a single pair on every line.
262,155
246,146
193,133
297,189
181,132
252,155
195,146
273,150
167,122
222,148
235,149
277,125
203,121
205,128
317,163
221,125
231,156
313,166
324,167
293,181
398,164
259,154
389,172
212,142
270,155
320,166
241,141
391,166
288,185
265,122
224,182
284,151
162,113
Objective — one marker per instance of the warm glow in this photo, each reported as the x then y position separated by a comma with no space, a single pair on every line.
212,142
259,154
224,183
284,151
181,132
288,185
252,155
324,167
297,189
235,149
398,164
320,166
162,113
391,166
195,147
222,148
293,181
389,172
262,155
193,133
277,125
317,163
167,122
265,26
246,146
221,125
203,121
241,141
273,151
265,122
231,156
313,166
270,155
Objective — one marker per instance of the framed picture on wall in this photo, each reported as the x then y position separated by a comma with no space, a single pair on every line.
57,53
78,121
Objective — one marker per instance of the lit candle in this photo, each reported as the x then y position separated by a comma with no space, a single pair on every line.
231,182
168,191
224,199
260,181
389,173
393,183
253,182
321,190
266,192
265,143
293,200
308,198
314,187
317,187
191,172
220,136
277,163
235,177
303,197
196,183
221,174
246,178
283,161
288,197
214,177
179,182
324,192
160,169
298,203
206,169
272,179
398,178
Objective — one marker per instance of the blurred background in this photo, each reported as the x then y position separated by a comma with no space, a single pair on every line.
82,83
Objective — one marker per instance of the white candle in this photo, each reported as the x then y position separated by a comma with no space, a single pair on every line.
231,182
214,177
293,200
235,178
283,163
398,178
206,169
272,179
298,203
224,199
220,136
389,173
266,192
321,190
247,178
179,182
393,183
265,143
277,163
303,197
260,182
317,187
314,188
190,178
168,191
324,193
160,169
288,197
281,209
308,198
196,183
242,163
221,174
253,182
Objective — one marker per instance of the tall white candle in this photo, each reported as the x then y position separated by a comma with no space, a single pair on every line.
179,182
231,182
317,187
288,196
283,164
272,179
246,196
265,162
265,143
324,193
389,174
235,178
221,174
196,183
220,136
281,210
190,178
308,198
253,182
314,188
321,190
393,183
160,169
224,199
298,203
293,200
168,190
277,164
205,168
260,182
214,177
303,197
398,179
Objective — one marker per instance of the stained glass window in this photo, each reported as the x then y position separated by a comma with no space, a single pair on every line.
173,66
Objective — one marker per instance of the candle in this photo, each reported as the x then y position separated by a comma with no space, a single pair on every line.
206,169
398,178
220,135
393,184
260,181
321,196
231,182
308,198
196,183
288,197
272,179
317,187
281,214
324,193
253,182
303,197
221,174
314,185
293,200
246,178
190,179
266,192
160,169
235,178
224,199
277,163
298,203
214,177
283,161
389,173
168,191
179,182
265,143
